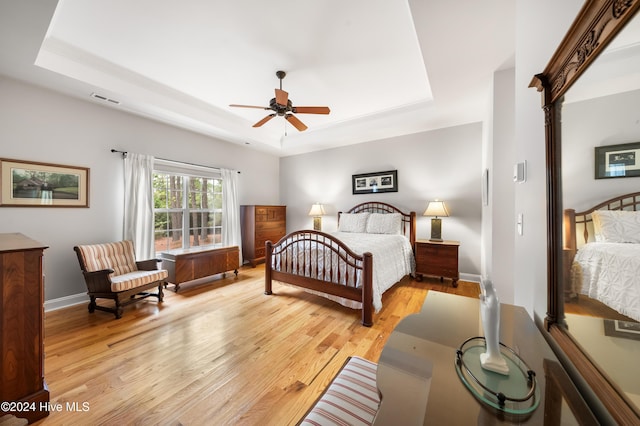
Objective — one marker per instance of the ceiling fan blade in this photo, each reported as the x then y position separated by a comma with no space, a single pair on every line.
311,110
264,120
295,122
248,106
281,97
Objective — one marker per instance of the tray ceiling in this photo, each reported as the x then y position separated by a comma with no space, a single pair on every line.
385,68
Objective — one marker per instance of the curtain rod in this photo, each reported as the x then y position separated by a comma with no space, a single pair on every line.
124,155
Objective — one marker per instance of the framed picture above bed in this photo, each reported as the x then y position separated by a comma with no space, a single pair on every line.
367,183
615,161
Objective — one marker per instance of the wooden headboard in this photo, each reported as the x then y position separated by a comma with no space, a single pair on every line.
580,223
408,219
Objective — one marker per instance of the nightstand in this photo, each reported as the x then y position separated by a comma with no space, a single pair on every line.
437,258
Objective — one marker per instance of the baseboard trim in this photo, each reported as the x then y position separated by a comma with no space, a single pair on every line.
474,278
76,299
65,302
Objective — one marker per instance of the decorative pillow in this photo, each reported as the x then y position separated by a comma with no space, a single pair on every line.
384,223
616,226
353,222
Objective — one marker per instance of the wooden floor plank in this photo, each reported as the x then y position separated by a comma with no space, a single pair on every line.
215,353
584,305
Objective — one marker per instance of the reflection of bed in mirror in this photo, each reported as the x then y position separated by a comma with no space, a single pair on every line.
603,246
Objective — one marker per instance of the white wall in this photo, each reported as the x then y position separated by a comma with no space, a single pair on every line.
443,164
41,125
608,120
498,231
540,26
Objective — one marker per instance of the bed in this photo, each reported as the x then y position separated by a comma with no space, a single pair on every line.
602,247
372,251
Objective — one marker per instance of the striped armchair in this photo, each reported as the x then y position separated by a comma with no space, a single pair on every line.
111,272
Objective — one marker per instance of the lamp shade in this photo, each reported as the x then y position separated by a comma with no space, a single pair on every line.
436,209
317,210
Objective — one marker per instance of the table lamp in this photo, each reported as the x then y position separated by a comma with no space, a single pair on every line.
436,209
317,211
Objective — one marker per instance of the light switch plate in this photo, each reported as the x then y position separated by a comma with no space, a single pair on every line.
520,172
519,223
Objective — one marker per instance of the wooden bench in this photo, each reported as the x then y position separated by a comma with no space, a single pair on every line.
352,397
111,271
193,263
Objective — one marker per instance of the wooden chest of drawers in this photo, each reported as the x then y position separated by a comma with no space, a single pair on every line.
22,328
437,258
259,225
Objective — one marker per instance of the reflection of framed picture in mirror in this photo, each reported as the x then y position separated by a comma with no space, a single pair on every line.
624,329
613,161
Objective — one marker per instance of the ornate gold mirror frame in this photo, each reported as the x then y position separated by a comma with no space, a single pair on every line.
595,26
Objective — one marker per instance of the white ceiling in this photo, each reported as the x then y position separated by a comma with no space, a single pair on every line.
385,68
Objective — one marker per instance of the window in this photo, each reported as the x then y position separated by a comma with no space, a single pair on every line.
187,207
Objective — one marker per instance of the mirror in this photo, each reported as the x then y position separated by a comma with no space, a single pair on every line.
601,282
591,93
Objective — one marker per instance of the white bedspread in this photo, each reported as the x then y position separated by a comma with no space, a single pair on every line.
392,260
610,273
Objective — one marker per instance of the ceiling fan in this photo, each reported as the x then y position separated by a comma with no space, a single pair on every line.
281,105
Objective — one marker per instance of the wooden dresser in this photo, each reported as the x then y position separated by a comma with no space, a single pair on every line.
259,225
22,383
419,383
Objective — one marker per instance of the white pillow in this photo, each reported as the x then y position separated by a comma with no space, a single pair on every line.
353,222
384,223
616,226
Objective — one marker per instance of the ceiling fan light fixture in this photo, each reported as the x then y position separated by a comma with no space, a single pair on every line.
281,105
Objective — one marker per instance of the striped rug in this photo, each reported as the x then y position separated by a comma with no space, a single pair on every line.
351,399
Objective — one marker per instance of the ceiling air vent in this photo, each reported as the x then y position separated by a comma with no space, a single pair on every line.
105,99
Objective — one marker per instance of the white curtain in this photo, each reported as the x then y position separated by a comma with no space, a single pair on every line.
138,204
230,210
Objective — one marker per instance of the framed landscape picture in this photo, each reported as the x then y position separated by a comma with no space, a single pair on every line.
615,161
368,183
34,184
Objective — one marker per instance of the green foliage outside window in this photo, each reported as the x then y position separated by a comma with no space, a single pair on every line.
186,206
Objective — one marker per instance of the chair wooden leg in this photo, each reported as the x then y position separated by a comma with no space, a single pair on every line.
118,310
126,298
160,292
92,304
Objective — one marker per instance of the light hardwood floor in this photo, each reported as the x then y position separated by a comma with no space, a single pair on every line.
583,305
218,353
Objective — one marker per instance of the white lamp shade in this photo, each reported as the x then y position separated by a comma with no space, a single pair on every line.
436,209
317,210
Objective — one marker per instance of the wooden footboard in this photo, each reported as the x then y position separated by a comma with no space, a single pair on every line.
320,262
